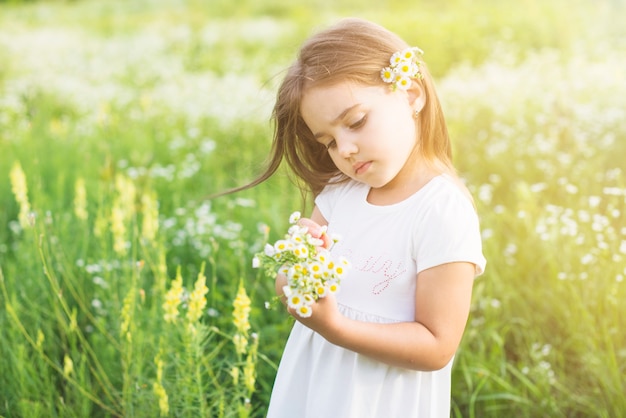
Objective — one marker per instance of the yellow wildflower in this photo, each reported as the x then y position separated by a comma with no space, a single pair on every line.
158,388
234,373
197,301
241,310
249,370
241,342
150,210
241,313
20,190
173,298
122,211
127,313
68,366
127,193
80,199
40,339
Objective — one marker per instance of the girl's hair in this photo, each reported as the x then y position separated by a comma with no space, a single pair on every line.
352,50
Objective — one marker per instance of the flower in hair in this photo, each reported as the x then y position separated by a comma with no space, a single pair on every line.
403,66
311,271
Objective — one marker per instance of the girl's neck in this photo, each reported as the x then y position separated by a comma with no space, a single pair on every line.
405,185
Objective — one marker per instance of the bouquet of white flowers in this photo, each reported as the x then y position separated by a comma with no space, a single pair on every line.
310,270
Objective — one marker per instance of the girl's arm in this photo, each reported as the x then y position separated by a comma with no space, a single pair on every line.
442,304
442,300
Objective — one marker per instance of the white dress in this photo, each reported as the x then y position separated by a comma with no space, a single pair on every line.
387,246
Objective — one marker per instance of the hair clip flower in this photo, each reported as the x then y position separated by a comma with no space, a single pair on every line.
403,66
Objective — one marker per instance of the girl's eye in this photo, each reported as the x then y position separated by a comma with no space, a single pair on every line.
331,144
359,123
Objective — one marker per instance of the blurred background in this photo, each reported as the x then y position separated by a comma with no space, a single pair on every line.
126,291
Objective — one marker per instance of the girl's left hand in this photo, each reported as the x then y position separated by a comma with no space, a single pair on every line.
325,319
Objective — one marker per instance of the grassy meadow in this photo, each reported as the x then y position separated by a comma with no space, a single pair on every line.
126,292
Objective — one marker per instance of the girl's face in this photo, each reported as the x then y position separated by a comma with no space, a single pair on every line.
370,131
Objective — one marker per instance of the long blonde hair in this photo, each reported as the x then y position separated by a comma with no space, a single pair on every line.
352,50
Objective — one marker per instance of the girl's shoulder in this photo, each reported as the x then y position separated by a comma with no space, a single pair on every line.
339,193
447,187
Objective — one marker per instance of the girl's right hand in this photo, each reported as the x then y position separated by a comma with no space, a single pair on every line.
316,231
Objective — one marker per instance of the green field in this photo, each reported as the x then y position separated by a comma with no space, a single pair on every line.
119,276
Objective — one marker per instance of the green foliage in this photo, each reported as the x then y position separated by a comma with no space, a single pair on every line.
165,100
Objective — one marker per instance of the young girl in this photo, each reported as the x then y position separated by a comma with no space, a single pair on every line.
358,121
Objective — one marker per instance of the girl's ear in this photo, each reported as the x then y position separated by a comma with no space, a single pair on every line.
417,96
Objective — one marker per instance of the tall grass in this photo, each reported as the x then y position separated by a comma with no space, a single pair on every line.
124,291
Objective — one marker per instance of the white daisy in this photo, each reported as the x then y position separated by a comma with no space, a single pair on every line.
269,250
388,75
295,217
395,59
408,54
403,82
282,245
304,311
295,300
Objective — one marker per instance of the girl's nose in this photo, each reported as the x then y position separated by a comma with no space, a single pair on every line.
346,147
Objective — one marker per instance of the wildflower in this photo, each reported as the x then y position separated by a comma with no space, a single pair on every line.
407,68
304,311
281,245
256,263
294,299
173,298
234,373
241,313
150,210
311,271
294,218
158,388
127,313
40,339
197,301
333,287
126,192
73,321
20,190
403,82
403,65
320,289
241,342
387,75
301,251
241,310
80,199
68,366
249,369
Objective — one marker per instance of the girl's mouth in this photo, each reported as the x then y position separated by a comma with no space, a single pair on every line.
361,167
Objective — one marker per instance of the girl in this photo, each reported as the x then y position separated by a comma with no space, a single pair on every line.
358,121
